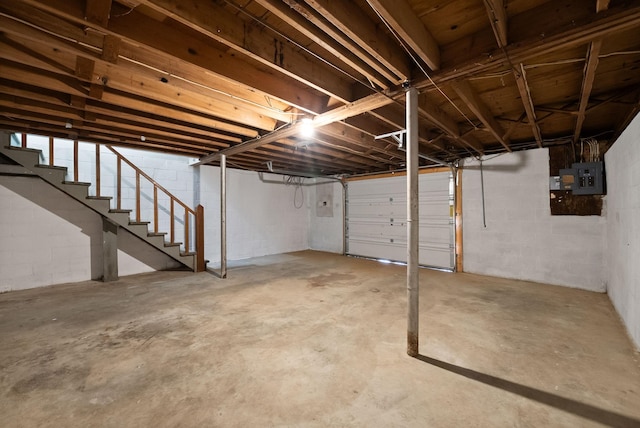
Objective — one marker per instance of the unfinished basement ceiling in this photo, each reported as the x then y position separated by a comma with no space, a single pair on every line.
236,77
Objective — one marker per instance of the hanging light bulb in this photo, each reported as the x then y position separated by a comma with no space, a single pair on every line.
306,127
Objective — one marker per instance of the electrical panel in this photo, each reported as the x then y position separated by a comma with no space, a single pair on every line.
584,178
589,178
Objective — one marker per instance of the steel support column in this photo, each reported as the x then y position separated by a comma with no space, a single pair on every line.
223,216
413,236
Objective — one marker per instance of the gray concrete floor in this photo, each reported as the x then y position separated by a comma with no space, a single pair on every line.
312,340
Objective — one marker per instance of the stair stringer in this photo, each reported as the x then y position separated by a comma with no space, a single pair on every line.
55,176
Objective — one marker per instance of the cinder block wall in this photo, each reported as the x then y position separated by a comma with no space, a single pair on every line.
262,217
47,237
326,226
522,240
623,227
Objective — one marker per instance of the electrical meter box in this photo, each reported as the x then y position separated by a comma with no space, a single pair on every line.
584,178
589,178
567,179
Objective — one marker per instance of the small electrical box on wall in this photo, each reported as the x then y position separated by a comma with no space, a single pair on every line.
584,178
589,178
567,179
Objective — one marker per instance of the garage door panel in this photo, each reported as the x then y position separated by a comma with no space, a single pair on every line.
377,213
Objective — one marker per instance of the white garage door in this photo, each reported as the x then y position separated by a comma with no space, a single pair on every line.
377,215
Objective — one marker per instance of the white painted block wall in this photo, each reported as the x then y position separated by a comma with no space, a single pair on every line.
47,237
623,227
170,171
326,233
522,240
262,218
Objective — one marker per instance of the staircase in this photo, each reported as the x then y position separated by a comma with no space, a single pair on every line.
185,253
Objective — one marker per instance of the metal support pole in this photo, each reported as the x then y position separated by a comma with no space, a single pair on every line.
345,215
413,236
223,216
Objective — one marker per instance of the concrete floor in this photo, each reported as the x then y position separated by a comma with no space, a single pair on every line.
312,340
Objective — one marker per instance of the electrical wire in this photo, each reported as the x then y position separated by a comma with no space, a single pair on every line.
298,182
419,64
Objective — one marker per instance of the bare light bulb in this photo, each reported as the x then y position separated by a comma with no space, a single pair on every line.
306,127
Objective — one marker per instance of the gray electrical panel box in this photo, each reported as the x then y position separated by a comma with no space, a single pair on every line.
584,178
589,178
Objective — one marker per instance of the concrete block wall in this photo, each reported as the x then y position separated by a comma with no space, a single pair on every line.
170,171
326,232
522,240
623,227
262,218
47,237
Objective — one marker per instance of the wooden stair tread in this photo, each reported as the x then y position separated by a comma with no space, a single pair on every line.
44,166
24,149
77,183
78,193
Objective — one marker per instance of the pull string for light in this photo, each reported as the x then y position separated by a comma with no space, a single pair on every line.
416,62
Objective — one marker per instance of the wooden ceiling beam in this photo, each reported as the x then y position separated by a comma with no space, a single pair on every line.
57,119
357,27
292,161
482,112
256,42
498,19
529,108
111,48
404,21
450,127
140,81
44,128
158,45
317,29
91,67
329,150
438,117
603,24
380,127
23,75
348,134
98,11
352,109
299,158
589,76
343,150
602,5
392,118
